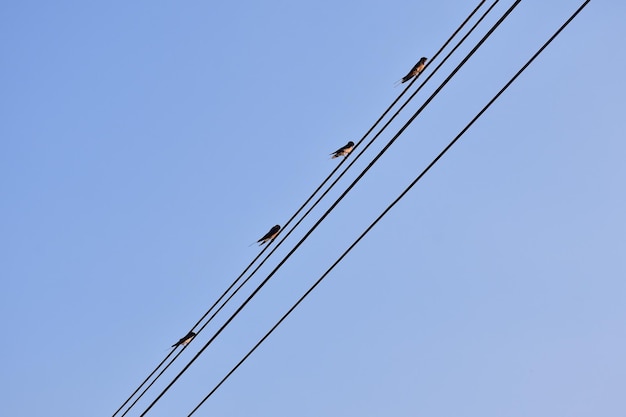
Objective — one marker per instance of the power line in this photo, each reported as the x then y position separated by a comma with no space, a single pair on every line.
142,384
180,351
454,34
260,286
342,173
411,185
361,152
395,114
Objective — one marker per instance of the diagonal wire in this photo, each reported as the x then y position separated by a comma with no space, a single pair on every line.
354,160
385,126
180,351
241,307
459,28
415,181
342,173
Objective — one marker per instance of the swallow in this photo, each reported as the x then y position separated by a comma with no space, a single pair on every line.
343,151
269,235
184,341
415,71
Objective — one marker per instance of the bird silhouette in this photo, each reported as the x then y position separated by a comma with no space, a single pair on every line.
415,71
343,151
184,341
269,235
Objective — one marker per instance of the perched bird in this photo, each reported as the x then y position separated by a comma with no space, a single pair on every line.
419,67
344,150
184,341
269,235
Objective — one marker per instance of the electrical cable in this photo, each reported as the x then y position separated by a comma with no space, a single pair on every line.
411,185
260,286
459,28
353,160
180,351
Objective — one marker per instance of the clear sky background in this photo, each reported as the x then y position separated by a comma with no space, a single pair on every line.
146,144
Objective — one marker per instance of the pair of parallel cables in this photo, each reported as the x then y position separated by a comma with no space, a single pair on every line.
341,197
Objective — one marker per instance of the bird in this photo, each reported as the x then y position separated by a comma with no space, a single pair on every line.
184,341
269,235
343,151
415,71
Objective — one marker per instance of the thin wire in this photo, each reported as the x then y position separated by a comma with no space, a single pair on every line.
458,29
180,351
394,116
356,158
454,34
415,181
493,28
350,165
143,383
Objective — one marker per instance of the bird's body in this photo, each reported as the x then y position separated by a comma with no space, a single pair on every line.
415,71
343,151
269,235
185,340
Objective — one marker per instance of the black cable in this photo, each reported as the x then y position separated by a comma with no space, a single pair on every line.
353,161
246,270
390,120
142,384
459,28
356,158
433,162
493,28
180,351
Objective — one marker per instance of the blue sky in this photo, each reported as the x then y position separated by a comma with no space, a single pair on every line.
145,145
